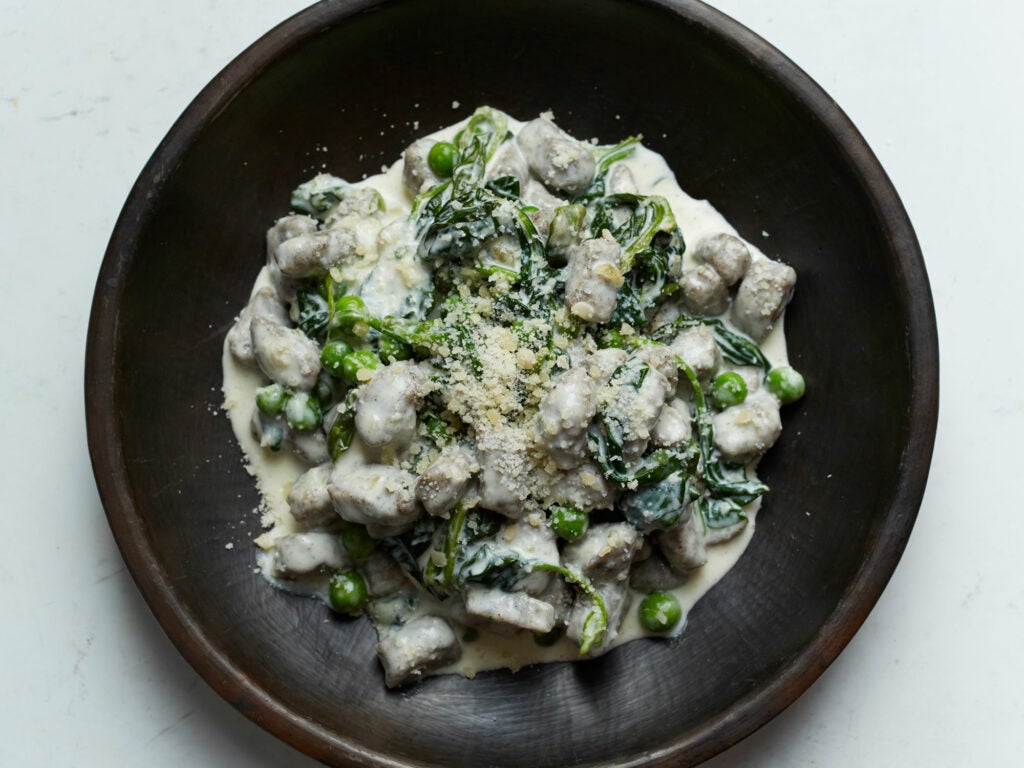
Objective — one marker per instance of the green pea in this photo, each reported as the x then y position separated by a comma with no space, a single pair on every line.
302,412
357,542
348,593
548,638
350,306
392,349
729,389
332,356
786,384
442,158
660,611
271,399
471,635
357,361
569,522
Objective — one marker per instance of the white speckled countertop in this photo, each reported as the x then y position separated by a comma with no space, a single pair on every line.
87,677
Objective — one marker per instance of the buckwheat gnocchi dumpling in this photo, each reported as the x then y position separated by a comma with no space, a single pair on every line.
496,402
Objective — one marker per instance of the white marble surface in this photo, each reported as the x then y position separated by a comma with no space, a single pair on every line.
88,679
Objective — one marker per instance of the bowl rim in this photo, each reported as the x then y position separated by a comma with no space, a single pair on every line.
729,726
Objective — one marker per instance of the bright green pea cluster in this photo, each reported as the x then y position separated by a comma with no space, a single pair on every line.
341,361
332,357
300,409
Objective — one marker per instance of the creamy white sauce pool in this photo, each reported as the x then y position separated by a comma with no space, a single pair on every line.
274,472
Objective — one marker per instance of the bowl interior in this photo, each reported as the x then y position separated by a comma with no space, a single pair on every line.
344,88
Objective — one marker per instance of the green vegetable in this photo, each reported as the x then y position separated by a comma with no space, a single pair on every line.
325,390
489,564
547,639
356,361
650,215
570,523
467,550
357,542
565,229
332,357
349,309
785,383
390,348
729,481
438,429
536,278
408,547
486,129
606,157
455,559
422,337
649,282
451,543
660,504
458,219
343,428
720,513
505,186
660,611
347,593
483,255
314,313
302,412
606,438
272,432
322,194
317,196
729,389
441,158
271,399
330,290
595,623
726,486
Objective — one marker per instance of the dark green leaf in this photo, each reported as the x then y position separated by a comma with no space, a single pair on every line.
658,505
313,312
720,513
343,429
504,186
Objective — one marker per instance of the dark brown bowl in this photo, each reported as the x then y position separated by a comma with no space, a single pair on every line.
743,127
